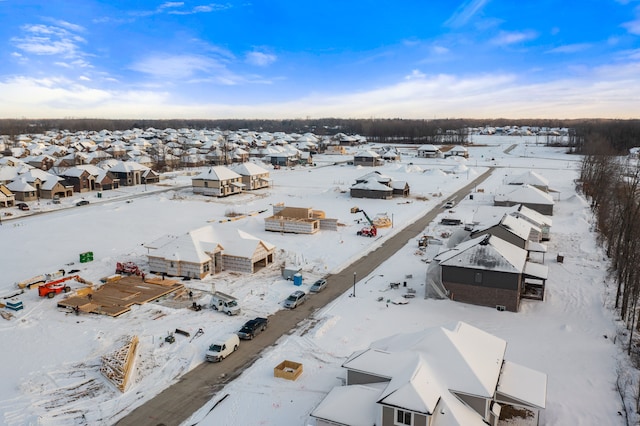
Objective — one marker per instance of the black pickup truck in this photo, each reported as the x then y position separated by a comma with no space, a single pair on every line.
252,328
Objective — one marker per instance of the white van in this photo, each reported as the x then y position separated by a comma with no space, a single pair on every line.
222,347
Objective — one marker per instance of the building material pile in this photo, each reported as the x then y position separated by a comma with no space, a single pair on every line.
118,365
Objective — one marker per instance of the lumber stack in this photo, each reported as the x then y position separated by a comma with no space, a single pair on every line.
118,365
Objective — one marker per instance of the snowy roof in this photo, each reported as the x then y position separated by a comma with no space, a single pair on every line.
523,384
536,270
414,388
368,153
241,244
484,216
219,173
462,358
127,167
20,185
350,405
485,252
526,194
248,169
371,185
195,245
528,178
533,216
379,177
428,147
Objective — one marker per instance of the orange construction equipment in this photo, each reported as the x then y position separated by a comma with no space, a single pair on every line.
54,287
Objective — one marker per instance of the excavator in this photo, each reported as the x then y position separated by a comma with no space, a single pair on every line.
367,231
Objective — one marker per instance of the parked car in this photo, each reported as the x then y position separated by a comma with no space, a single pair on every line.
296,298
23,206
318,286
252,328
222,348
82,203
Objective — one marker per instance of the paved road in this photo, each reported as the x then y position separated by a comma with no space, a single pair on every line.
176,403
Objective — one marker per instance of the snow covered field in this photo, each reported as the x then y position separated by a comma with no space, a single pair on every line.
51,357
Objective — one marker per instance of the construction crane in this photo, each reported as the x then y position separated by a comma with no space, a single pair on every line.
367,231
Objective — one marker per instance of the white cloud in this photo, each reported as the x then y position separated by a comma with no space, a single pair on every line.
513,37
439,50
171,4
415,74
175,66
633,26
38,39
260,59
570,48
604,92
465,12
206,8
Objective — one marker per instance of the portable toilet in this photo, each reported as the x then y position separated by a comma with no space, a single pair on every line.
297,279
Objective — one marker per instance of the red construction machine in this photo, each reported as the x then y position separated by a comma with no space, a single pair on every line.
127,268
367,231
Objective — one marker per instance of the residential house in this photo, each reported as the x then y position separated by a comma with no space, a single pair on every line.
429,151
217,181
131,173
253,176
7,199
379,186
22,190
492,214
529,178
527,195
367,158
489,271
441,376
56,187
457,151
514,230
207,250
102,180
81,179
42,162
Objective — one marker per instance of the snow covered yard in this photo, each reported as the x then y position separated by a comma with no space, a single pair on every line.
54,376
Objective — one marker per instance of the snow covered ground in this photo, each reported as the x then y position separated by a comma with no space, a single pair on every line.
51,358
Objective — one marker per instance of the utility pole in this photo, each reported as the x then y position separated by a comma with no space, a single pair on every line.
354,284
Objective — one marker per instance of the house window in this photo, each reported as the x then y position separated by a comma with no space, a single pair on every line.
403,418
478,278
206,184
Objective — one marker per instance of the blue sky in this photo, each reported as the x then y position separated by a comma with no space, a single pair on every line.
296,59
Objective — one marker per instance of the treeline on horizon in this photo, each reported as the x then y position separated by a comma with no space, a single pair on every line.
586,135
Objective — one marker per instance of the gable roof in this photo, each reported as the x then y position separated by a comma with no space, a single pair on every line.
218,173
528,178
526,194
248,169
486,252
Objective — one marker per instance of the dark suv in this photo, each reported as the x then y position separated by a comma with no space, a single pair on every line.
252,328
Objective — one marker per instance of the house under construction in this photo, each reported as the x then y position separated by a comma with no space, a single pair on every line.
298,220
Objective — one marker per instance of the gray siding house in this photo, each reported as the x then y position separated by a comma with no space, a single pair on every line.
440,376
488,271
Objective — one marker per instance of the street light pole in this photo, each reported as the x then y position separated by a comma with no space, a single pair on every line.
354,284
